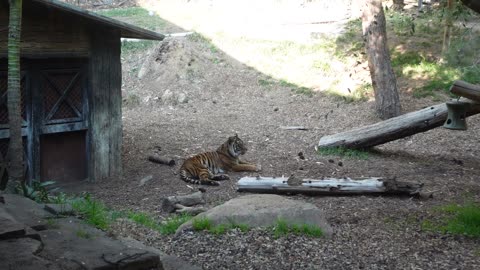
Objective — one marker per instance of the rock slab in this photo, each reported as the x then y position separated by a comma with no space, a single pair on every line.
262,210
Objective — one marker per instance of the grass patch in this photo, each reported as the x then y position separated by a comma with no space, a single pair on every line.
202,224
207,42
83,234
129,47
94,212
140,17
456,219
343,152
135,15
169,226
205,224
304,91
283,228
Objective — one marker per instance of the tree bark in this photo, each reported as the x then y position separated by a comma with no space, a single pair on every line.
398,5
393,129
14,93
448,27
384,82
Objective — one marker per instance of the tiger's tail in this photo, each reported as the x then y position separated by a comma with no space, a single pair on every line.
185,176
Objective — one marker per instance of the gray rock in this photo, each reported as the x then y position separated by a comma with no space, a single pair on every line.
19,254
9,227
261,210
75,244
59,209
168,262
26,211
144,180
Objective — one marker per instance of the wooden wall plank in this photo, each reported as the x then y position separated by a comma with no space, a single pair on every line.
105,104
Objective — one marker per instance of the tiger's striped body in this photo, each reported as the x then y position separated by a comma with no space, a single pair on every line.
209,167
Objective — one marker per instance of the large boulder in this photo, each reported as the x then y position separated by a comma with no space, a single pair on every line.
169,262
262,210
26,211
73,243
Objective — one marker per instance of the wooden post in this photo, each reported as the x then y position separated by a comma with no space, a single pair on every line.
105,102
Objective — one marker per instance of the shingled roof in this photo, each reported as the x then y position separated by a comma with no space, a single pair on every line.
127,30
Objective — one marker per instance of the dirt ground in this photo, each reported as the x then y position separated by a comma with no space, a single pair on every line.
212,97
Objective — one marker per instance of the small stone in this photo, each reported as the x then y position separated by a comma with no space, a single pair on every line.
331,161
340,163
275,109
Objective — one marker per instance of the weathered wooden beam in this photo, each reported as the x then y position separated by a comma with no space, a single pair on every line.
329,186
467,90
105,104
393,128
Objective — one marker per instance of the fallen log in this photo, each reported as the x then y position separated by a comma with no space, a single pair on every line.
393,128
191,210
329,186
170,204
161,160
467,90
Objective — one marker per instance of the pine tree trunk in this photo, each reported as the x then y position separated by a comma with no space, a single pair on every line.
14,94
384,82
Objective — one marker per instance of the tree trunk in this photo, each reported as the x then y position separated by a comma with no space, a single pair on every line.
398,5
384,82
14,93
448,27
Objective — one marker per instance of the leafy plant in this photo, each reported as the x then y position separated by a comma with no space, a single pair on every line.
37,191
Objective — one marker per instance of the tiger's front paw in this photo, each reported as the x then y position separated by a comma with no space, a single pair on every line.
258,167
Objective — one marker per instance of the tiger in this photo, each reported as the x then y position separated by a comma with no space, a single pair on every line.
209,167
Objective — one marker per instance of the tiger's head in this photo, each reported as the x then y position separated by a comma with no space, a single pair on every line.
234,146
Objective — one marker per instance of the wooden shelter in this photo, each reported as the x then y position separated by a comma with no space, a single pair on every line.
71,91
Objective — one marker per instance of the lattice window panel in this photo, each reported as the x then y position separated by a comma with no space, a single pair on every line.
63,95
3,99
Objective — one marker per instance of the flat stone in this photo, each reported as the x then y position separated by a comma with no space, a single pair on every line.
9,227
169,262
74,244
26,211
59,209
262,210
20,254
